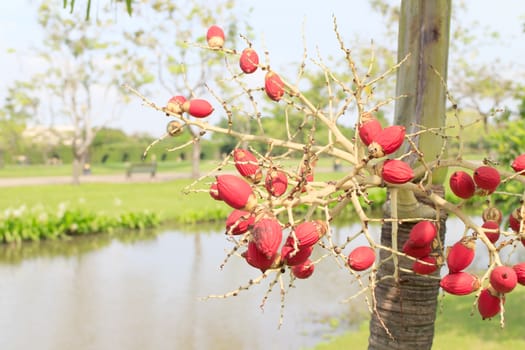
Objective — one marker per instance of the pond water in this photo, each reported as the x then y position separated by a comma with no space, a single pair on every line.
143,291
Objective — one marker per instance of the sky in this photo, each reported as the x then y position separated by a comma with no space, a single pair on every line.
278,26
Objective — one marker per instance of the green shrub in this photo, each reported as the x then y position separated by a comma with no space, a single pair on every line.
23,224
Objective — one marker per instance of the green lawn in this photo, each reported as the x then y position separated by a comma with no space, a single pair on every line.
165,198
456,329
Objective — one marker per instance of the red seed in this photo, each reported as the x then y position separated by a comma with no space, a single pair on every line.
175,104
214,192
416,252
257,259
361,258
197,108
519,163
236,192
215,37
423,233
515,220
267,235
420,267
291,257
520,272
462,184
461,254
489,304
460,283
276,182
492,226
304,270
369,129
503,279
387,141
274,86
487,178
249,60
238,222
396,172
247,164
308,233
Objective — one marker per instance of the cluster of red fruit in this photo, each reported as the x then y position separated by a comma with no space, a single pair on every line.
502,279
249,62
263,233
420,243
382,142
200,108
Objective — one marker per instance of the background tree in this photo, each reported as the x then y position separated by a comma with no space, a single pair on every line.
162,35
78,68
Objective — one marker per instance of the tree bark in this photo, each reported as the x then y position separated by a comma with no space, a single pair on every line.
406,308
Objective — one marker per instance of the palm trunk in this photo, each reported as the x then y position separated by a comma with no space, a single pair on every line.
406,308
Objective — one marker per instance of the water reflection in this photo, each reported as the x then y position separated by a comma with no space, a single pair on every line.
142,291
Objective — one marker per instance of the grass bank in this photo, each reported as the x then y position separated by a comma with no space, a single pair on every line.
164,198
457,329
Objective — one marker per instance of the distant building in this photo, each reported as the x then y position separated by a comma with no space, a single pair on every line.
51,136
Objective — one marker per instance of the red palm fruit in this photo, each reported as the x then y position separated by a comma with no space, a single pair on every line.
361,258
267,235
494,227
249,60
197,108
416,252
423,233
503,279
175,104
461,254
520,272
303,270
236,192
396,172
387,141
420,267
276,182
214,192
460,283
493,214
519,163
369,128
274,86
462,184
487,178
247,164
308,233
238,222
257,259
489,303
515,220
291,257
215,37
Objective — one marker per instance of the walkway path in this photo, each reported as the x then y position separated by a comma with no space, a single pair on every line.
56,180
115,178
